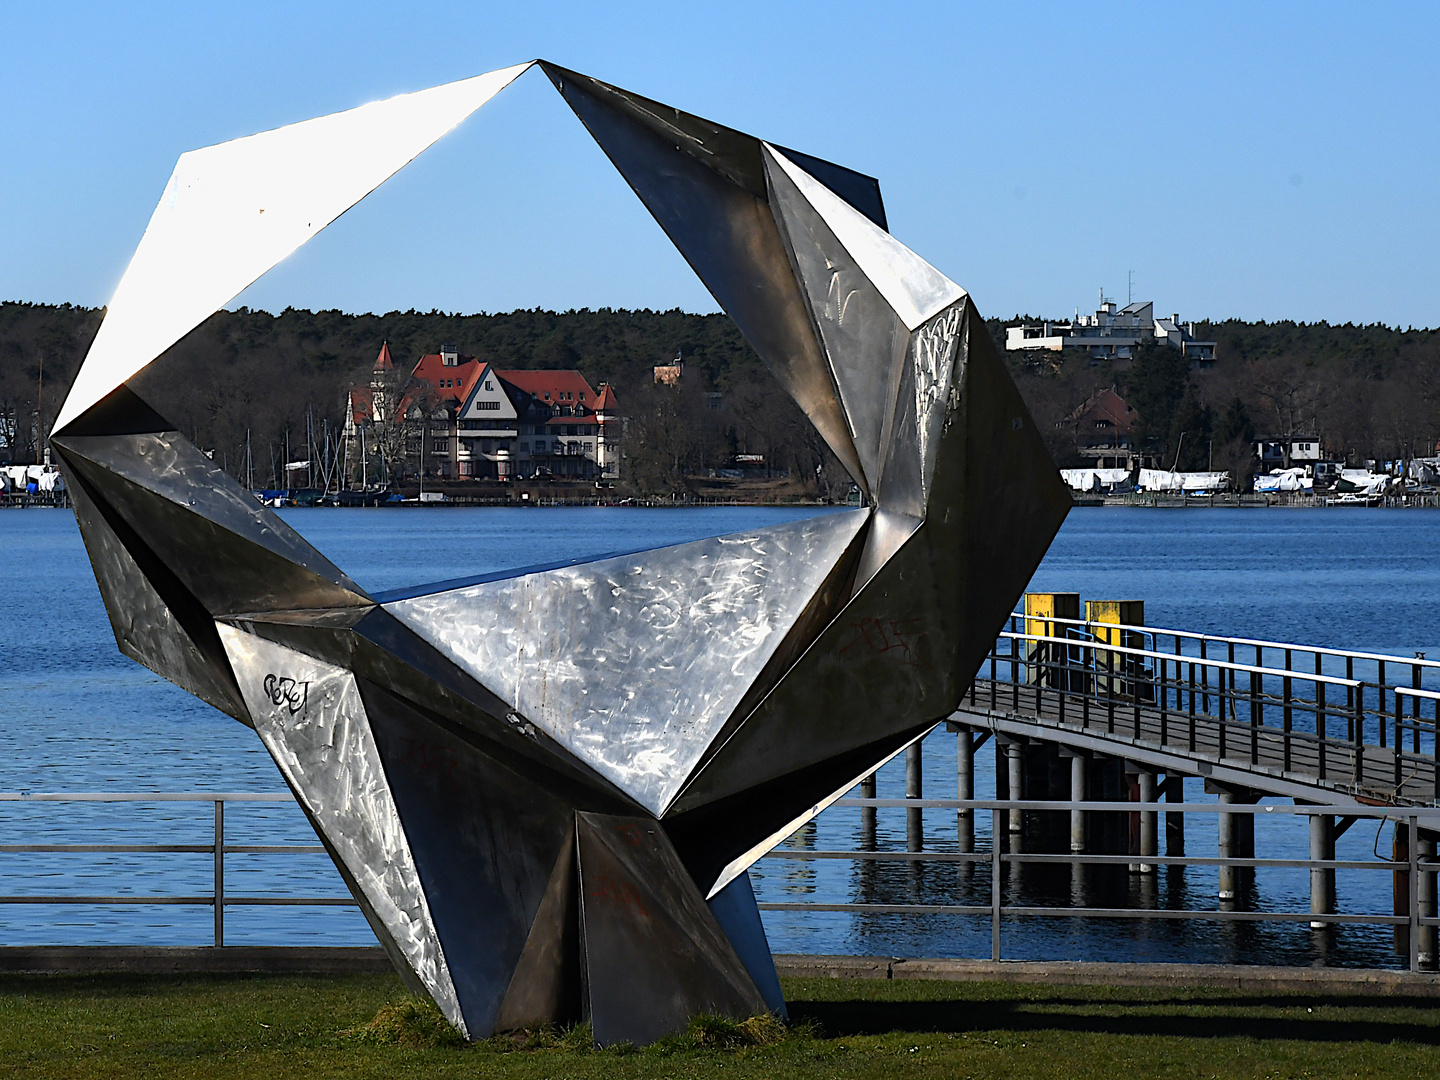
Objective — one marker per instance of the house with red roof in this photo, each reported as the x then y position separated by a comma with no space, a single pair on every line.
464,419
1104,430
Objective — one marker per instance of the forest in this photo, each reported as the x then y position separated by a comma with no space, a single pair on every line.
1367,391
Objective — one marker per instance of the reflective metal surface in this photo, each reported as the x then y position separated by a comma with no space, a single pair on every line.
310,717
654,955
232,211
544,788
633,664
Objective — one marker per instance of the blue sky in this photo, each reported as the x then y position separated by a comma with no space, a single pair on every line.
1255,160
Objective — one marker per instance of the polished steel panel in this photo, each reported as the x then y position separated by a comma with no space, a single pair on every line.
176,642
858,329
934,351
484,840
546,987
735,910
654,955
711,203
232,211
911,286
634,664
310,717
230,552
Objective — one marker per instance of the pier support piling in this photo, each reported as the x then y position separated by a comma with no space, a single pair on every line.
914,789
1175,819
1322,879
1425,852
964,786
1149,820
867,814
1227,849
1015,761
1078,764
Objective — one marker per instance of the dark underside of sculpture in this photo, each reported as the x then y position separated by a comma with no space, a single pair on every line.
544,788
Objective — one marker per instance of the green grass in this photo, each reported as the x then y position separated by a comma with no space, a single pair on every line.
310,1027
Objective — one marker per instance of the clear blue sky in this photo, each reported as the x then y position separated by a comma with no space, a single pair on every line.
1254,160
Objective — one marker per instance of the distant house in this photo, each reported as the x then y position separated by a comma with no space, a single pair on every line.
670,374
1112,333
570,429
1284,452
1104,431
465,419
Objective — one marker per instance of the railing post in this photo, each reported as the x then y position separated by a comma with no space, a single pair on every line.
1015,674
1359,734
1286,689
1255,716
219,873
1380,705
1320,718
1425,887
1192,706
995,833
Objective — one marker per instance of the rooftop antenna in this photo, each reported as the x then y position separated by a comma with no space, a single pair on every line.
1130,289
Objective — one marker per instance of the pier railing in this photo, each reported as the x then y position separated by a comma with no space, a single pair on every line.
1314,709
1414,870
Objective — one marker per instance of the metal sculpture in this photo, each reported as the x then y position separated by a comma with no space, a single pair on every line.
544,787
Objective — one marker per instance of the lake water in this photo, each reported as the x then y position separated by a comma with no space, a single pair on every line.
77,716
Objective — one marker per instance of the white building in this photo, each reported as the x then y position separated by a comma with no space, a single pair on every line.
1113,333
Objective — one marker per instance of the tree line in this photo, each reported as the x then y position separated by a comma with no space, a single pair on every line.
1368,391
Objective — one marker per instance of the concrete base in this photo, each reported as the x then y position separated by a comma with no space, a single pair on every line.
159,960
1318,981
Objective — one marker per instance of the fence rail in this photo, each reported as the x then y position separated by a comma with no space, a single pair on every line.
1418,871
217,849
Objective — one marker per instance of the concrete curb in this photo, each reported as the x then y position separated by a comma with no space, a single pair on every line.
293,960
158,960
1262,980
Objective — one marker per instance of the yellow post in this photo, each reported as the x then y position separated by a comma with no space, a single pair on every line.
1109,621
1042,612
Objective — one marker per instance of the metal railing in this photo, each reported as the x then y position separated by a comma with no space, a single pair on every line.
1418,871
217,849
1119,675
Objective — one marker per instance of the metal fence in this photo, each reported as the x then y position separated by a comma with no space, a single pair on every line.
217,849
1414,874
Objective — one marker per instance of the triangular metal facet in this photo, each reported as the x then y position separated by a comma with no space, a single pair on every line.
864,339
634,664
310,716
914,288
231,553
707,191
232,211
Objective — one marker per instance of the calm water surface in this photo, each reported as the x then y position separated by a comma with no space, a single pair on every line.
77,716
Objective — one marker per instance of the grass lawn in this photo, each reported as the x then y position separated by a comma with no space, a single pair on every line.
274,1028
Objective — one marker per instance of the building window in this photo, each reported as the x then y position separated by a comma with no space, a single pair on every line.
489,385
441,446
524,447
539,446
487,406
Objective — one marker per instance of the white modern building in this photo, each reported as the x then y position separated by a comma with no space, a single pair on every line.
1114,333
